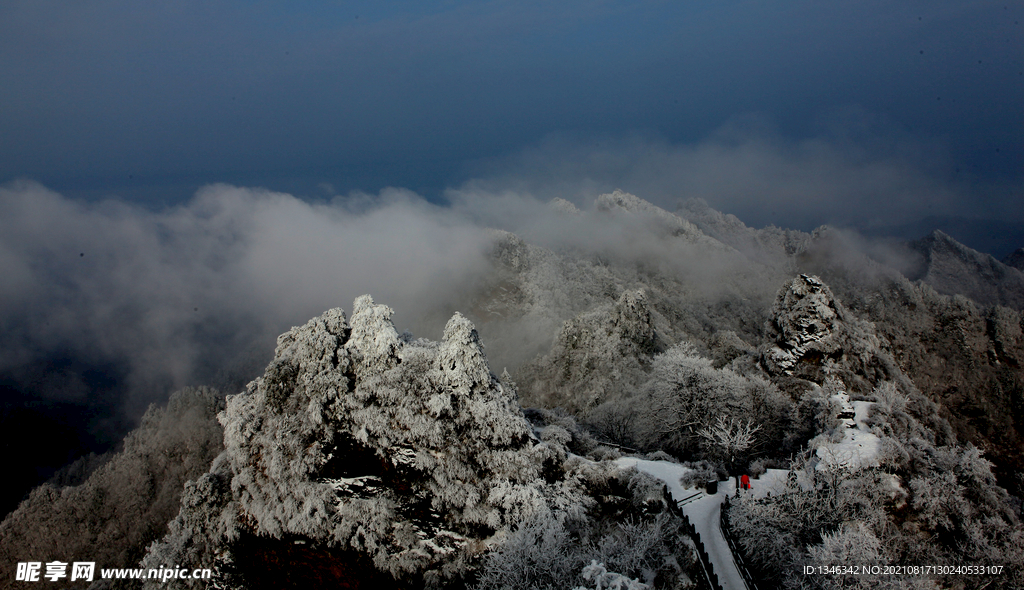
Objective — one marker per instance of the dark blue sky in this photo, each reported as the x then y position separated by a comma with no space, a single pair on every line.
149,100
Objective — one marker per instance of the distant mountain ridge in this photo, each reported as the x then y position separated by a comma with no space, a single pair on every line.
1015,259
954,269
937,259
993,236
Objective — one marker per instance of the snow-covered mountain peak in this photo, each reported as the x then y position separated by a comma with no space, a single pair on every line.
632,204
953,268
1015,259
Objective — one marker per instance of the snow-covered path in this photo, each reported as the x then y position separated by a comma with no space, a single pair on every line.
859,446
703,513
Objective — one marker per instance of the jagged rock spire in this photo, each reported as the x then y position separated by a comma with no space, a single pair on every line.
804,325
354,438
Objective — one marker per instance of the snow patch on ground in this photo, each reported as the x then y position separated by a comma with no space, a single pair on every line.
771,483
859,446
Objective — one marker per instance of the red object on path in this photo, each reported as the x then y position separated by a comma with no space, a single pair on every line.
745,482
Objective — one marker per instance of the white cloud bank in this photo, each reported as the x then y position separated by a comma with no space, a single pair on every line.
172,294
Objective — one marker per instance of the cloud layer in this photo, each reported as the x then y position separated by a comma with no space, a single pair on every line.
196,293
175,295
856,173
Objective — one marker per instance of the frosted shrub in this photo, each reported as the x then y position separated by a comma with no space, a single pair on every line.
757,468
888,398
660,455
647,491
548,553
555,433
606,580
540,554
581,442
701,473
643,548
605,453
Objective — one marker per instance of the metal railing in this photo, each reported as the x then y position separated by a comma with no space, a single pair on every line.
618,446
705,561
702,554
690,498
737,555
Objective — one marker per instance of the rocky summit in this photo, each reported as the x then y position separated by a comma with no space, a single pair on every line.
358,444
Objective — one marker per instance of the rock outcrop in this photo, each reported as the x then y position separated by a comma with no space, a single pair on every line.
811,334
360,444
805,326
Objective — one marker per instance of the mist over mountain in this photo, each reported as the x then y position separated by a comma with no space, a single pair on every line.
383,442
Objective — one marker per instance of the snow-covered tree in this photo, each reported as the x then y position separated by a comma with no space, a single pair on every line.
125,503
685,395
730,437
686,392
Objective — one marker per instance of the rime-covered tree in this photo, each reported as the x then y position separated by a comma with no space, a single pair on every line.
730,437
126,503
